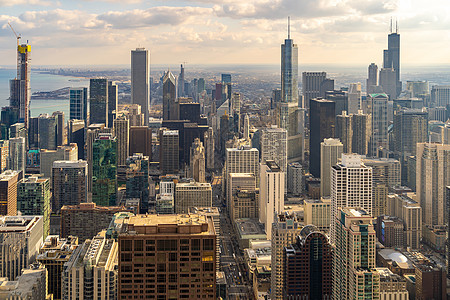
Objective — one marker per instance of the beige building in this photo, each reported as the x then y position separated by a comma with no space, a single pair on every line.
362,131
344,131
241,181
244,204
317,212
392,286
121,127
192,194
274,146
198,161
330,153
30,285
4,154
384,170
48,157
8,192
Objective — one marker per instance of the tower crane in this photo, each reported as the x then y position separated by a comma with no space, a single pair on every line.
18,36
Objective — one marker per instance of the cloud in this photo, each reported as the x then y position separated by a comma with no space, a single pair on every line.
26,2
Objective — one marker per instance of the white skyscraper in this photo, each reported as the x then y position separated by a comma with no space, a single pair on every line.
140,87
330,152
354,98
274,146
246,127
351,186
271,194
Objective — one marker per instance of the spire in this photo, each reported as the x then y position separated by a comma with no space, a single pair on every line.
391,26
289,28
396,26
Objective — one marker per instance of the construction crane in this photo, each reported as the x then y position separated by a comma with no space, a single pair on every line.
18,36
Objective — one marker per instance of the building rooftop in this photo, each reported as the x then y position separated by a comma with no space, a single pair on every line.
17,223
92,206
386,275
70,164
395,256
249,228
8,175
35,178
170,132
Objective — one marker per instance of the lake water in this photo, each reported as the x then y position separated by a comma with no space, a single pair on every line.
44,83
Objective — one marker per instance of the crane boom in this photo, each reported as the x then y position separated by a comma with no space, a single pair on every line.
17,35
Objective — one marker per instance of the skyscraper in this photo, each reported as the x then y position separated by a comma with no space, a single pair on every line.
8,192
372,80
113,98
169,151
274,146
344,130
322,125
197,161
78,103
354,276
75,134
17,154
433,175
121,127
137,180
391,57
47,132
410,128
354,98
311,85
330,152
20,87
379,111
181,91
313,252
351,186
140,87
362,131
98,101
140,140
244,159
288,111
104,170
388,83
170,109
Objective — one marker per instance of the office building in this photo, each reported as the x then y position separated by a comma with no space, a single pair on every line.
170,102
31,284
85,220
322,125
391,59
354,276
98,101
239,181
4,155
410,128
388,83
308,276
75,135
432,176
140,84
17,154
54,253
113,98
135,115
209,145
392,286
8,192
141,140
192,194
137,180
69,183
274,146
440,95
434,114
181,91
20,239
311,84
20,91
272,186
197,159
295,178
317,213
60,128
93,267
285,229
354,98
361,133
390,231
33,199
48,157
121,127
244,204
169,151
172,237
344,131
47,132
104,170
78,104
379,139
351,186
330,153
340,98
165,204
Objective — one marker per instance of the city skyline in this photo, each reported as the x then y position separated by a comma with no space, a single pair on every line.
198,31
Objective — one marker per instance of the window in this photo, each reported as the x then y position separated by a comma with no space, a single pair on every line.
208,244
195,244
138,245
125,245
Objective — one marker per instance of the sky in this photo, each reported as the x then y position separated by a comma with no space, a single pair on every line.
102,32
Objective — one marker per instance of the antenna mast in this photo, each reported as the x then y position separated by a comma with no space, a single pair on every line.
289,28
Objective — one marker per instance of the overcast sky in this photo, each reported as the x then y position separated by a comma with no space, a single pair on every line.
101,32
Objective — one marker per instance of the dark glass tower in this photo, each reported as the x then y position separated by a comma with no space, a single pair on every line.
391,56
98,101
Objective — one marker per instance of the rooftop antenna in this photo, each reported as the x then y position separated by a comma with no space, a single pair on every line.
289,28
391,25
396,26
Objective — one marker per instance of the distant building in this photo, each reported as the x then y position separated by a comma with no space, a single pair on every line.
17,154
78,104
344,130
295,179
104,170
192,194
113,98
140,83
98,101
121,127
8,192
330,153
69,183
48,157
140,140
362,132
76,134
317,213
169,151
197,161
137,180
170,109
379,138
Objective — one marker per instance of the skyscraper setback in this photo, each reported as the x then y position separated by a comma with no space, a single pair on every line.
391,57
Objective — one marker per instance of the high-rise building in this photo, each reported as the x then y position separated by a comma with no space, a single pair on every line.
137,180
384,170
181,91
33,199
244,204
340,98
209,145
351,186
20,90
388,83
311,84
78,104
20,239
354,256
140,140
85,220
169,151
440,95
410,128
391,58
48,157
271,193
135,115
170,109
75,134
93,266
433,175
239,181
197,161
361,131
98,101
8,192
54,253
308,273
372,80
60,127
390,231
274,146
317,213
4,155
285,229
104,170
140,85
295,178
192,194
121,127
47,132
17,154
330,153
322,126
113,104
171,238
69,184
246,127
344,131
379,110
354,98
31,284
